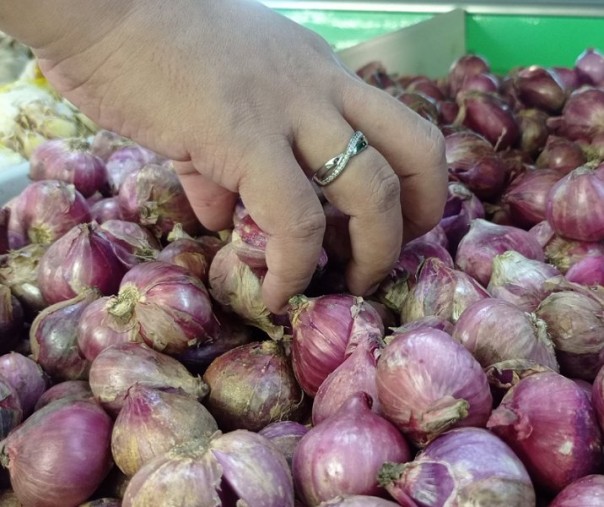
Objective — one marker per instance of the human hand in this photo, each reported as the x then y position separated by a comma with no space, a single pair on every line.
249,103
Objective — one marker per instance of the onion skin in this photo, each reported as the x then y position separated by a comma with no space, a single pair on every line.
357,501
588,490
575,323
539,87
131,243
461,208
188,254
106,209
43,477
4,217
588,271
253,385
583,114
560,154
342,455
464,67
519,280
549,422
429,321
48,209
169,308
244,465
69,160
11,319
26,377
103,502
11,413
154,197
590,67
326,330
485,240
83,258
105,142
119,367
573,208
151,422
285,435
125,161
356,374
53,338
453,470
483,82
564,253
70,389
440,292
415,252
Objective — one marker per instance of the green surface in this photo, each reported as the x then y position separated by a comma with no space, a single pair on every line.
506,41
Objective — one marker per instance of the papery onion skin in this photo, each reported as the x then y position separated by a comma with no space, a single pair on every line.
589,67
560,154
48,209
436,235
429,321
131,243
462,68
538,87
71,389
427,383
188,254
483,82
83,258
574,209
485,240
43,477
253,385
533,130
11,319
564,253
151,422
357,501
441,292
285,435
325,330
588,490
124,161
519,280
239,465
106,209
119,367
461,208
69,160
105,142
26,377
415,252
103,502
465,466
567,77
169,307
11,413
53,338
588,271
551,425
343,455
575,323
524,335
582,116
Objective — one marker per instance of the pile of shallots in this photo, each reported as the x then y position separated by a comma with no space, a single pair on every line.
139,366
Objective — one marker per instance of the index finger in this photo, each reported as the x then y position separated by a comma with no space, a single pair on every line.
281,200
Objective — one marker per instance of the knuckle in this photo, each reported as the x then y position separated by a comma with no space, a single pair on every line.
309,225
384,188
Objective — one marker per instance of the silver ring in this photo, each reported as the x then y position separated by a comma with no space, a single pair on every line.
335,166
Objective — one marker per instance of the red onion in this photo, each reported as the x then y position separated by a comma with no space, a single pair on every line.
590,67
105,142
355,374
117,368
587,271
26,377
484,82
238,289
326,330
527,196
466,466
524,335
239,467
429,321
253,385
154,197
46,210
564,253
131,243
426,87
575,323
485,240
504,375
43,477
461,208
375,74
488,115
125,161
519,280
11,319
11,413
464,67
69,160
249,242
573,205
343,454
166,307
106,209
357,501
19,271
151,422
549,422
453,390
472,161
193,255
285,435
440,291
583,114
70,389
567,77
588,490
53,338
447,112
533,130
422,105
4,218
414,253
83,258
560,154
435,235
539,87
